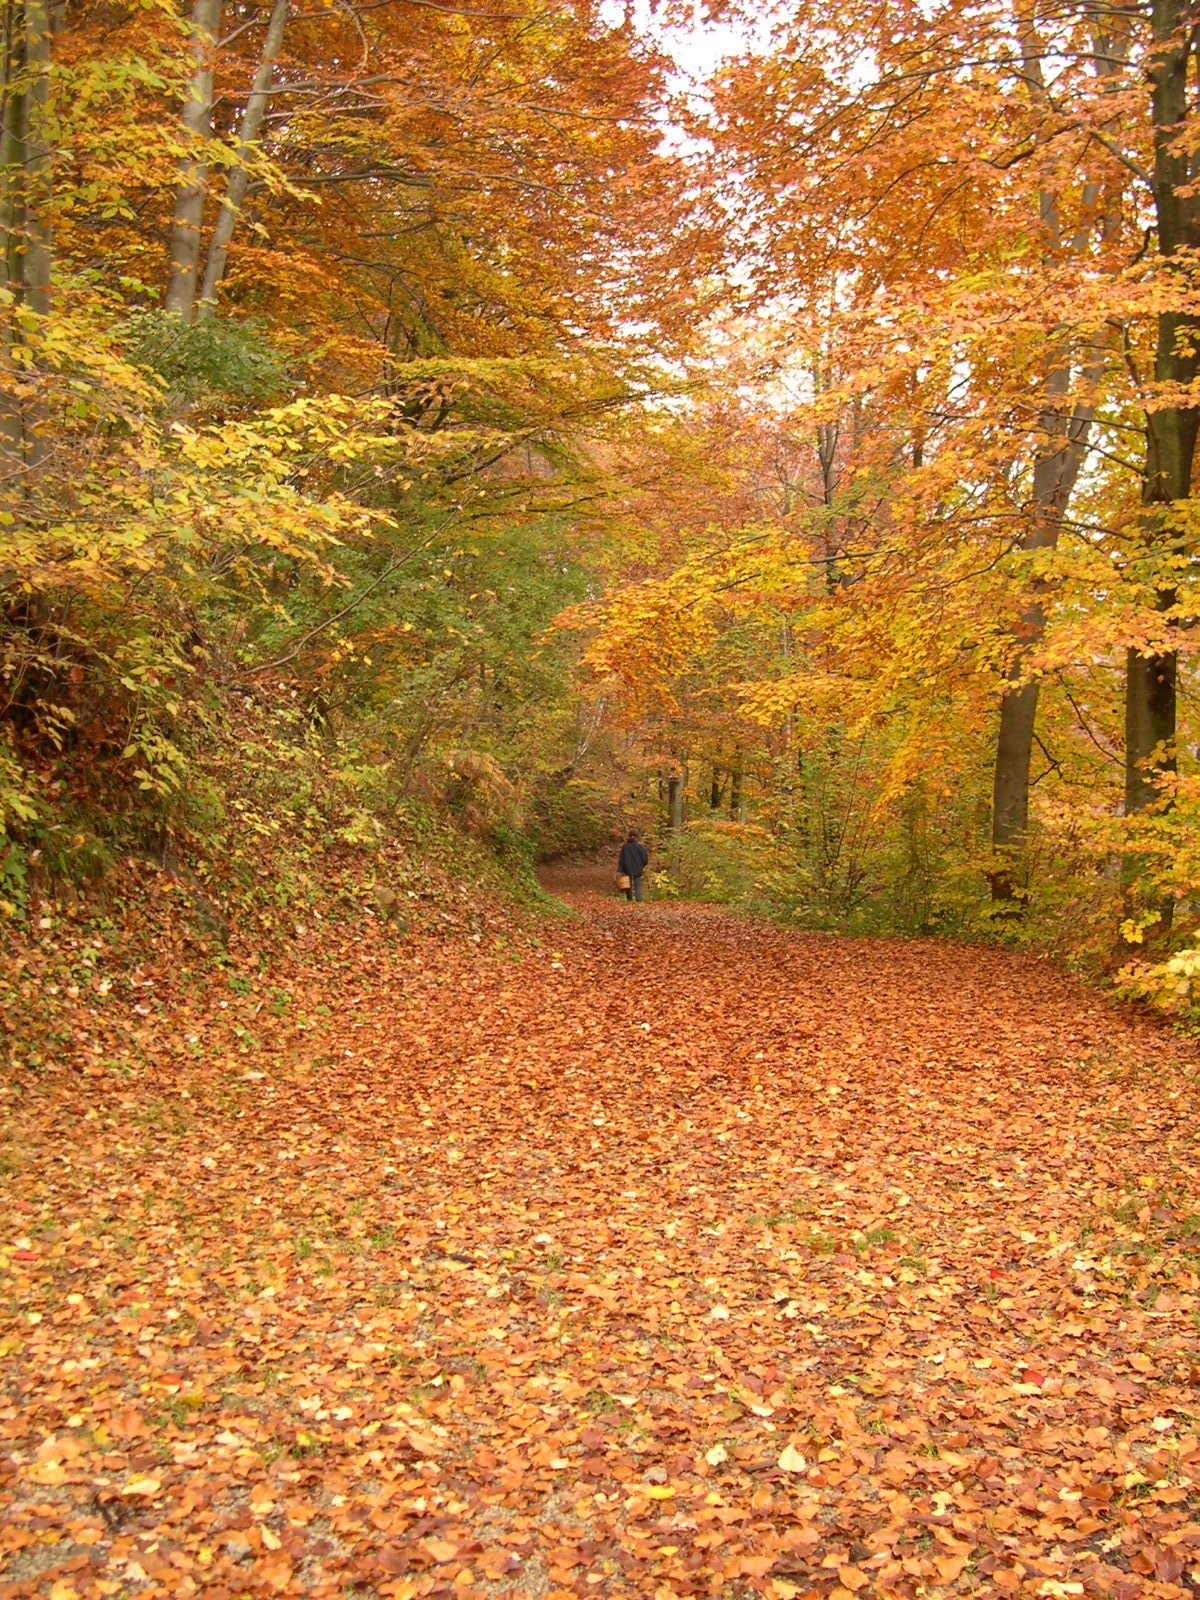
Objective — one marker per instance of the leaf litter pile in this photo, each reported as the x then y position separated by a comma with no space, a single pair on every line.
652,1253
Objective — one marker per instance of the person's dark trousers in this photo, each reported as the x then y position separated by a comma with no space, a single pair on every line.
634,892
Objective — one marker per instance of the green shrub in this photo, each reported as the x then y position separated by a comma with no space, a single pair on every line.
572,818
214,355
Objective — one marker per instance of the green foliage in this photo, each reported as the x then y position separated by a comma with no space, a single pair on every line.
18,804
572,816
19,810
729,862
212,357
829,846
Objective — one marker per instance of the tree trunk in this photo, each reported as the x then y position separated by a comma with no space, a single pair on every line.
184,243
12,222
676,802
38,192
239,179
1054,476
735,792
828,434
1150,682
1149,725
716,790
25,195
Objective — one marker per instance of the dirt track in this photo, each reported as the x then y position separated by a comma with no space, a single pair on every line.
674,1255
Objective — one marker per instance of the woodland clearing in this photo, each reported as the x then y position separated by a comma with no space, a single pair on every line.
648,1252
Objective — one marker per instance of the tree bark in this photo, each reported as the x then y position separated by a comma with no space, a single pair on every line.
184,242
1054,475
676,795
1149,725
26,177
1151,675
248,134
12,223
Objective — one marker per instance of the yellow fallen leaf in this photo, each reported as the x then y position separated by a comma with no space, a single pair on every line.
148,1486
659,1491
791,1460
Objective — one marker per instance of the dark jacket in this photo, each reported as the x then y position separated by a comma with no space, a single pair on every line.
634,858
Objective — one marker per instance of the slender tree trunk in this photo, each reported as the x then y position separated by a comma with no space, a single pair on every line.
1054,476
676,793
36,265
184,243
25,195
1150,706
38,196
716,789
12,223
828,434
249,130
803,827
1151,675
735,790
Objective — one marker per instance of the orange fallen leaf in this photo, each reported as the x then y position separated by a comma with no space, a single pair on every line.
442,1550
756,1566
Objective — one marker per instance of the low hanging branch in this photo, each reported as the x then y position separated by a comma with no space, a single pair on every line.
393,566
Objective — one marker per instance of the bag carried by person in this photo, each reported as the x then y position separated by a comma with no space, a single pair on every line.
624,881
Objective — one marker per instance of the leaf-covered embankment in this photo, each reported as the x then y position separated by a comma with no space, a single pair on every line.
669,1255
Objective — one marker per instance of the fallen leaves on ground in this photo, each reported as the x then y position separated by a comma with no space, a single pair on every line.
674,1255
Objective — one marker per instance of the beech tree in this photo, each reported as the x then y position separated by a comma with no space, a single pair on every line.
1162,547
25,220
188,220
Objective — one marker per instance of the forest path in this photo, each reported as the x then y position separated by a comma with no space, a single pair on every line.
675,1255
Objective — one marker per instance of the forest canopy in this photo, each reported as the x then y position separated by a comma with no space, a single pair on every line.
485,413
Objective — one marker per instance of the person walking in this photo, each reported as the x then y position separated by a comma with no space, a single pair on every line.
632,864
